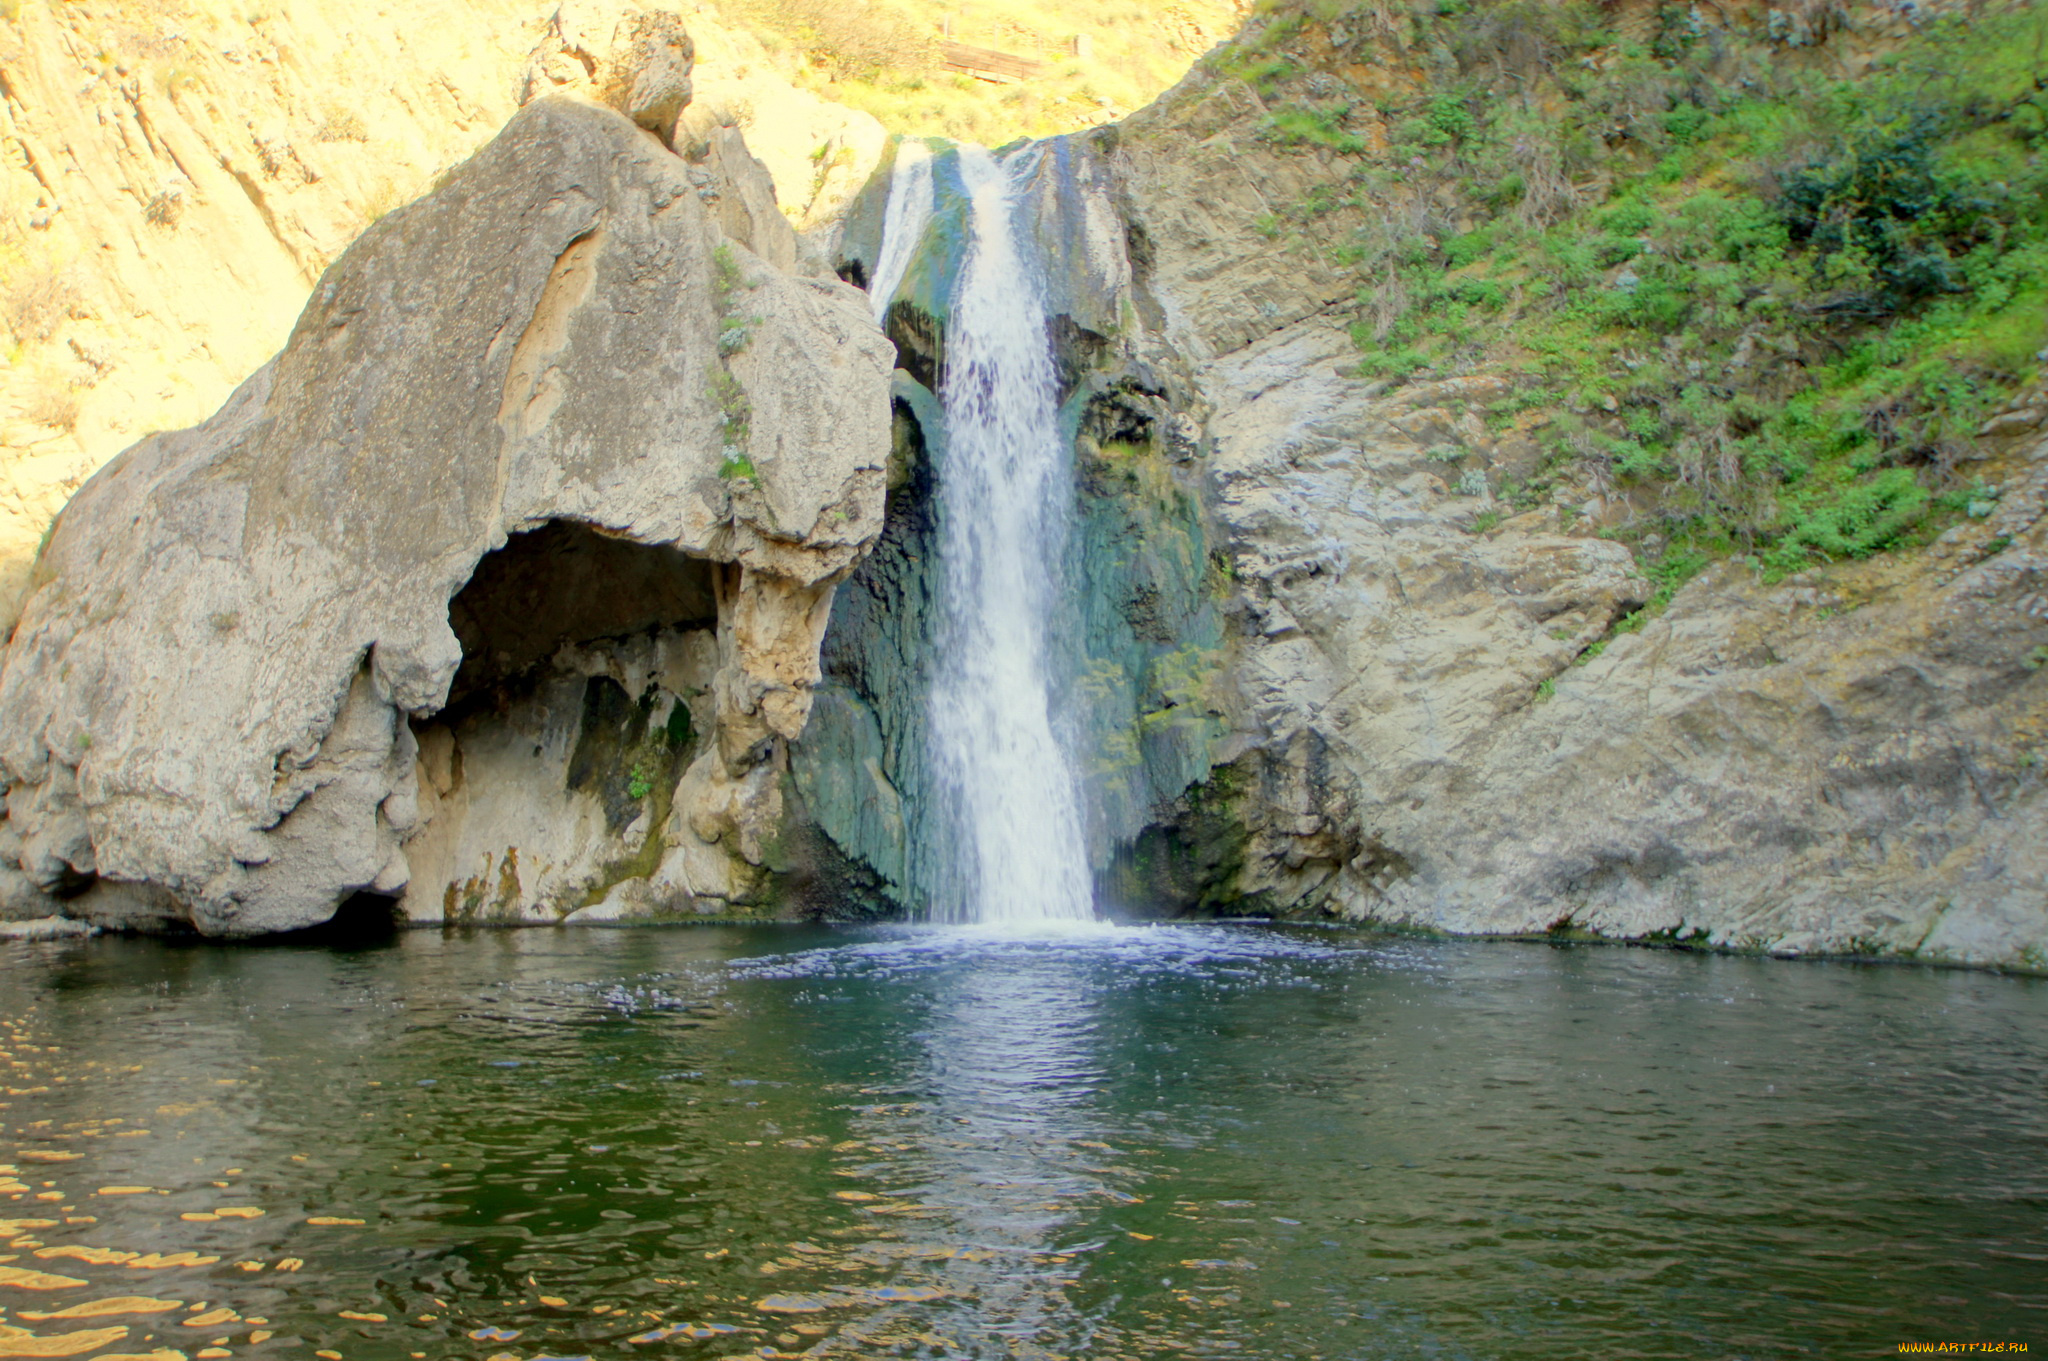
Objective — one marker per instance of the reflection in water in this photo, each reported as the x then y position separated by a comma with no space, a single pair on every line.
997,1146
1160,1142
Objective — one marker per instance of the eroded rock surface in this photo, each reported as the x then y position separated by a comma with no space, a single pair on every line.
1834,764
177,177
208,710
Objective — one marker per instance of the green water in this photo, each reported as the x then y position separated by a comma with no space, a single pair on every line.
1168,1142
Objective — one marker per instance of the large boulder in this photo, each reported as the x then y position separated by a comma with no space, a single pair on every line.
653,82
207,711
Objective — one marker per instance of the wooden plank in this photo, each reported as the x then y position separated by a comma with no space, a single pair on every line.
988,64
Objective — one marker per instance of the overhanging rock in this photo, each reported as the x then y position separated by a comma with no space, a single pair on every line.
207,710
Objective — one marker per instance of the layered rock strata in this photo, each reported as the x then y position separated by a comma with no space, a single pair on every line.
530,530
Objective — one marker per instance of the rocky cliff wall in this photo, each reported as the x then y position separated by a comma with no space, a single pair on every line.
1837,763
498,593
1454,710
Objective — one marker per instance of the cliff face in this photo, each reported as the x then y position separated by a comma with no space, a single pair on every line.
1481,709
1839,762
1414,585
499,588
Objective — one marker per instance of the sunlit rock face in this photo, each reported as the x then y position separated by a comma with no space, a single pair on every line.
221,699
217,158
1440,712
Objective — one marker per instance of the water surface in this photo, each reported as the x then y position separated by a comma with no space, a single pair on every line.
1148,1142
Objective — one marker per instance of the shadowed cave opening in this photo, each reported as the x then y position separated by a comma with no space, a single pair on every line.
363,921
567,583
583,693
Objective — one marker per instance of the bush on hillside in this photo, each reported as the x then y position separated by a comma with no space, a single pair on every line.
851,39
1763,300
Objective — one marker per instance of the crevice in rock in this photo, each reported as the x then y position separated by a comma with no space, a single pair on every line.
584,692
920,343
1077,354
567,583
1124,414
261,203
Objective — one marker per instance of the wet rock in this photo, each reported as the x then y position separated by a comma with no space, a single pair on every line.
1144,631
45,928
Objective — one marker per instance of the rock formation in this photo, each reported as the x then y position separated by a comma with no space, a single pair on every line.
535,519
1834,764
1323,671
177,177
1447,717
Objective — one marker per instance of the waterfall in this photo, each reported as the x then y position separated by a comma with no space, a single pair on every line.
1005,813
909,209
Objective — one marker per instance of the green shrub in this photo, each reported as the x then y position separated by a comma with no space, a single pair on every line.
1783,327
1448,115
1472,247
1880,209
1311,127
1685,123
1848,520
1631,217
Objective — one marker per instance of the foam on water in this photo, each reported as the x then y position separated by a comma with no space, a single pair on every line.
1121,953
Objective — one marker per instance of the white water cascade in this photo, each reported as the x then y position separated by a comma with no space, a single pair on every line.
1005,810
903,222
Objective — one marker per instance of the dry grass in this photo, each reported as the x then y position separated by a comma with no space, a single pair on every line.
847,39
164,207
341,125
1131,52
54,405
35,300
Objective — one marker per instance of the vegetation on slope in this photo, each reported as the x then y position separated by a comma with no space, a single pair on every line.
883,57
1759,281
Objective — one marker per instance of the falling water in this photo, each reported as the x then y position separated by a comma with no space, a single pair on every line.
1005,810
910,208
